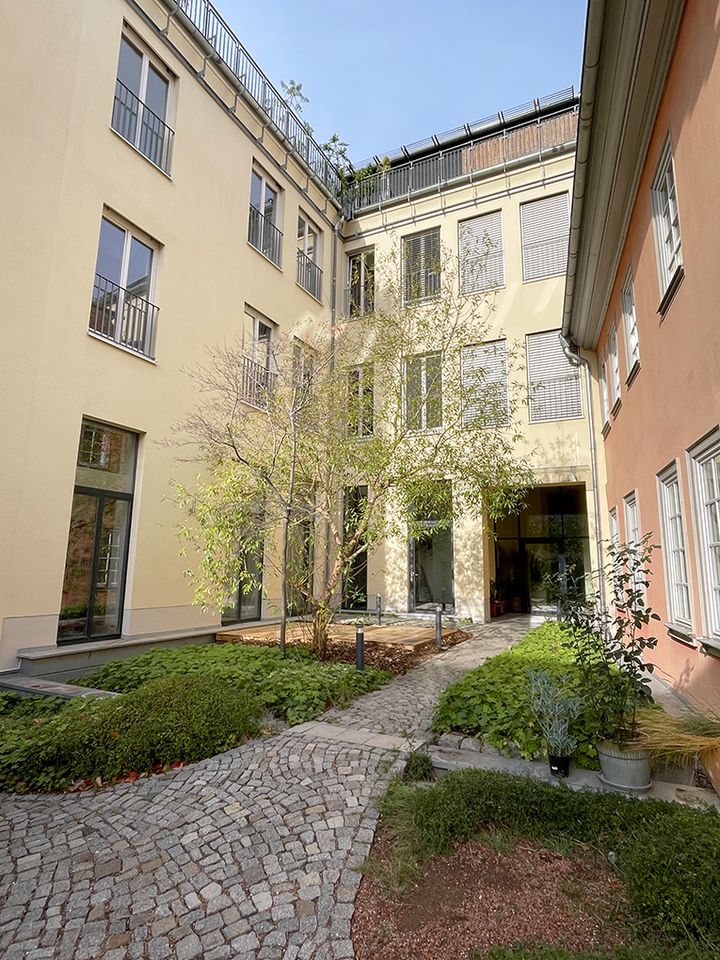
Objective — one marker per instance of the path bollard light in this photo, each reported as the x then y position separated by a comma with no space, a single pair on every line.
438,627
378,608
359,647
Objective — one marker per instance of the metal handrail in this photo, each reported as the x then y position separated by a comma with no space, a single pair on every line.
256,382
309,275
122,316
206,19
145,130
264,236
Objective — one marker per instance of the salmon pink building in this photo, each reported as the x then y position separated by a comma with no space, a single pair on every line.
643,291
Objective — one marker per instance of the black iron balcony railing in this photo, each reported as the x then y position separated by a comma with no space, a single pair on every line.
123,317
264,236
145,130
309,275
256,382
206,20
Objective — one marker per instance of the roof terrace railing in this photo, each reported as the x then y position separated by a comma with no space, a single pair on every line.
208,22
534,137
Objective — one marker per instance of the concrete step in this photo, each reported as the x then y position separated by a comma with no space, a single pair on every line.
18,683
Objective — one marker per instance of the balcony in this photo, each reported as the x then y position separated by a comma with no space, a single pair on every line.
309,275
533,131
123,317
264,236
145,130
256,382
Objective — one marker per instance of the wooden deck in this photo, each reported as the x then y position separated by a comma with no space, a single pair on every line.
398,635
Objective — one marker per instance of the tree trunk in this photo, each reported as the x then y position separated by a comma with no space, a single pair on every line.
284,579
321,621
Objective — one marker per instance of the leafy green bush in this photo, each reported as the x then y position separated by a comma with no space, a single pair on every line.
492,702
295,687
165,720
667,854
418,767
649,951
14,708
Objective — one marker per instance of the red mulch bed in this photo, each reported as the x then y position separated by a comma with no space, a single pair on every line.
477,898
397,660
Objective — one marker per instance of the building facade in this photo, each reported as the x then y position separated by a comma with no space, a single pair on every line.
171,201
642,292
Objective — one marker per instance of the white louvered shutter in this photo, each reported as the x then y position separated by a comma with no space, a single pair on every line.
545,227
481,253
485,378
553,382
421,265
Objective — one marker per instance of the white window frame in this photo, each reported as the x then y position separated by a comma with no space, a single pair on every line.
361,380
614,362
266,182
666,219
474,255
707,450
674,547
424,396
633,534
361,256
614,528
263,357
632,339
308,228
602,380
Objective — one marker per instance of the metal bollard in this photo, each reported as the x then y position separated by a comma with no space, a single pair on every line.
359,647
438,626
378,608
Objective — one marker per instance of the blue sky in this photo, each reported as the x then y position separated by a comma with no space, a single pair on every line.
382,75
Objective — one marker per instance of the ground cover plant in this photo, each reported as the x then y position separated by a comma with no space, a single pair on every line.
493,702
643,951
294,687
665,854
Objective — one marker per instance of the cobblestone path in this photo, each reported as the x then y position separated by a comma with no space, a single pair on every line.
252,854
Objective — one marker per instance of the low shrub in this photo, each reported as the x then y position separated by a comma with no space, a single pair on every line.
418,767
650,951
492,702
165,720
667,854
14,708
295,687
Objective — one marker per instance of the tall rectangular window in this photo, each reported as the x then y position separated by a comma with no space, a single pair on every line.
632,520
614,361
121,309
545,227
666,220
421,266
140,109
264,217
361,402
361,283
602,377
614,528
258,373
423,391
676,567
554,386
309,274
485,384
706,469
480,243
632,341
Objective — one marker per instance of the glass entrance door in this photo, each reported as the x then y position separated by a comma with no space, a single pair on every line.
544,562
431,570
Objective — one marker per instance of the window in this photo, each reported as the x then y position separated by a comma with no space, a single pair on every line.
485,384
263,233
632,522
666,220
361,401
614,529
602,376
632,343
421,266
309,274
545,226
303,364
480,243
258,370
361,283
553,382
423,391
121,308
706,469
614,362
676,568
140,109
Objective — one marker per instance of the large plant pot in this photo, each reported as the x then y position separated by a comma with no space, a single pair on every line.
625,767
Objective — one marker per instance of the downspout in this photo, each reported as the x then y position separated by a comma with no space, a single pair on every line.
574,357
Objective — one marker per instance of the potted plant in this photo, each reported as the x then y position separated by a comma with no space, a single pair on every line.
493,599
609,642
554,710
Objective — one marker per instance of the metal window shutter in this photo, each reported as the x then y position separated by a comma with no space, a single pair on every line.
545,227
485,371
481,253
421,263
553,382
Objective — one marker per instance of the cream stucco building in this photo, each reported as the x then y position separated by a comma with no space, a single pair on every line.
169,201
